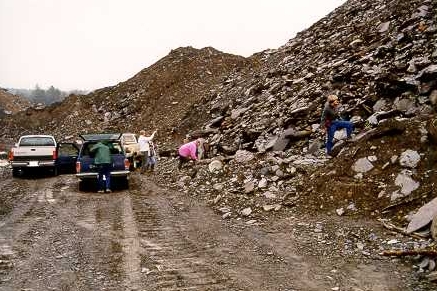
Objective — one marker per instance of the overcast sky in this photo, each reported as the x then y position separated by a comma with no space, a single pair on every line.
90,44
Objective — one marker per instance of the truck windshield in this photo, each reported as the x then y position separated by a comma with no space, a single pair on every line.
37,141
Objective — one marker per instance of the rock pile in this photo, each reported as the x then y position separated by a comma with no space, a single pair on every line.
10,104
260,116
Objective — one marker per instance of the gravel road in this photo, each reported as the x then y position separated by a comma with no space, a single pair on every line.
53,237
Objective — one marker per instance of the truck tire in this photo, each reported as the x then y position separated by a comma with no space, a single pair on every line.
82,186
124,183
15,172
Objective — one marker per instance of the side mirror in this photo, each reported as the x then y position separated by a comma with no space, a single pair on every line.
16,144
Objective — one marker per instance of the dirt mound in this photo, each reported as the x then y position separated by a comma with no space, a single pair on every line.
157,97
10,104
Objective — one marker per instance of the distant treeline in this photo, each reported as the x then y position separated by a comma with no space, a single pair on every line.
49,96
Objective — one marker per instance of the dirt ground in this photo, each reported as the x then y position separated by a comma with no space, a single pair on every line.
53,237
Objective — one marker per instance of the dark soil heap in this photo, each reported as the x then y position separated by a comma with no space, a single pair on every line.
10,104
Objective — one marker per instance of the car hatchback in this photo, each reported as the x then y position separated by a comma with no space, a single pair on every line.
86,170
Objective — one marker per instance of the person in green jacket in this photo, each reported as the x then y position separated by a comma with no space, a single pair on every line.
103,161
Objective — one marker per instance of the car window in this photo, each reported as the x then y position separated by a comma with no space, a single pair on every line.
114,147
37,141
86,149
67,150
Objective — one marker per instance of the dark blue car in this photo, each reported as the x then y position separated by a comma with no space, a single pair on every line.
86,170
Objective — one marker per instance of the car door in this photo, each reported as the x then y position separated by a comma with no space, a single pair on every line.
67,156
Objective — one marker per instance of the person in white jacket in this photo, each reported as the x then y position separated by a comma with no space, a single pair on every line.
143,142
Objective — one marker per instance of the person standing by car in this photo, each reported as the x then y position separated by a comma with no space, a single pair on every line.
151,160
143,142
102,159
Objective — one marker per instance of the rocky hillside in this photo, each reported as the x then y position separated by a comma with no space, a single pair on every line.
260,116
10,104
157,97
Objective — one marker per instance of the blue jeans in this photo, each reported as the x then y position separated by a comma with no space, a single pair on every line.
151,161
104,169
337,124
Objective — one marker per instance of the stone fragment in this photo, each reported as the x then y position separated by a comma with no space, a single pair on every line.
423,216
242,156
269,195
218,187
406,183
275,207
383,27
409,159
262,183
215,166
249,187
246,211
362,165
226,215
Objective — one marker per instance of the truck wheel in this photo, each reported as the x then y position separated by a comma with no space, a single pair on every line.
82,186
124,183
15,172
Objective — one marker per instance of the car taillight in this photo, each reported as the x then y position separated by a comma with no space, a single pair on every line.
126,164
55,155
11,155
78,167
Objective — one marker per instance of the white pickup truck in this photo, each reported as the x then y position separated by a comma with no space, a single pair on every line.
130,145
36,152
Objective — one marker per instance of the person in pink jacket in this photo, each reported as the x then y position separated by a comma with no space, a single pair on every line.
187,152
